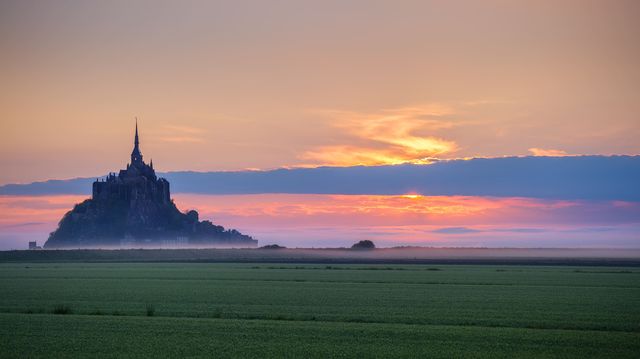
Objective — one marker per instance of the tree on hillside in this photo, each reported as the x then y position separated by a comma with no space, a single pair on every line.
366,244
273,246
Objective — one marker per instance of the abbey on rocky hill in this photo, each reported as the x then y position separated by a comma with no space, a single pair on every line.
134,209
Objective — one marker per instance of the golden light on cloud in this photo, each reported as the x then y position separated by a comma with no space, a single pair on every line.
352,156
548,152
393,136
411,196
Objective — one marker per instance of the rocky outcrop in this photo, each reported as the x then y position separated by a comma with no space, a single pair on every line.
134,209
116,223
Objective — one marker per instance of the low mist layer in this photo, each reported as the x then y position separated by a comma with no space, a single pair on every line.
340,220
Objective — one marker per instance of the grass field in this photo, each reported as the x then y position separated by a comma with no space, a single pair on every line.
317,310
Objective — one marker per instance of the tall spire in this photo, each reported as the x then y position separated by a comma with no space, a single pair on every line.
136,142
136,155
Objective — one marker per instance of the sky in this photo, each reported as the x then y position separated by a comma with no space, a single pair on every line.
307,220
258,85
227,85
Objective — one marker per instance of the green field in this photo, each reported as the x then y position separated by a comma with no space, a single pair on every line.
317,310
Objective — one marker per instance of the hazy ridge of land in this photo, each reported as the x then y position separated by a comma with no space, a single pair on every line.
400,255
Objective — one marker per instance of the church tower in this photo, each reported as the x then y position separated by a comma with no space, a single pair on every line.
136,155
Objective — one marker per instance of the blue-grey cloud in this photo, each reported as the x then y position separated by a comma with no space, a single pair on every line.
521,230
455,230
582,177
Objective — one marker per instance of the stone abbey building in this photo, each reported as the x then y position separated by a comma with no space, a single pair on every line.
134,209
138,182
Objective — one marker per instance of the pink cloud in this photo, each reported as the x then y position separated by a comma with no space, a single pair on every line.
329,220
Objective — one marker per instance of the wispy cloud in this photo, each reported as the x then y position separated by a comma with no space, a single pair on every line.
181,134
184,129
23,224
455,230
181,139
391,136
547,152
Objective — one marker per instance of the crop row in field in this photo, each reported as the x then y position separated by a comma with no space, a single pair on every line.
48,336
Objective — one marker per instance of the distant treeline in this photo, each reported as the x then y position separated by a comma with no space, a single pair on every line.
410,255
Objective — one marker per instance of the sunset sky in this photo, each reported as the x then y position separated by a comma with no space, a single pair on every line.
260,85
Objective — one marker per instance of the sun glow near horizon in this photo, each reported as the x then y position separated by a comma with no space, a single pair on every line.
337,220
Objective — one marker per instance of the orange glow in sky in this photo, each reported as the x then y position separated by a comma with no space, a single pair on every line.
325,220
